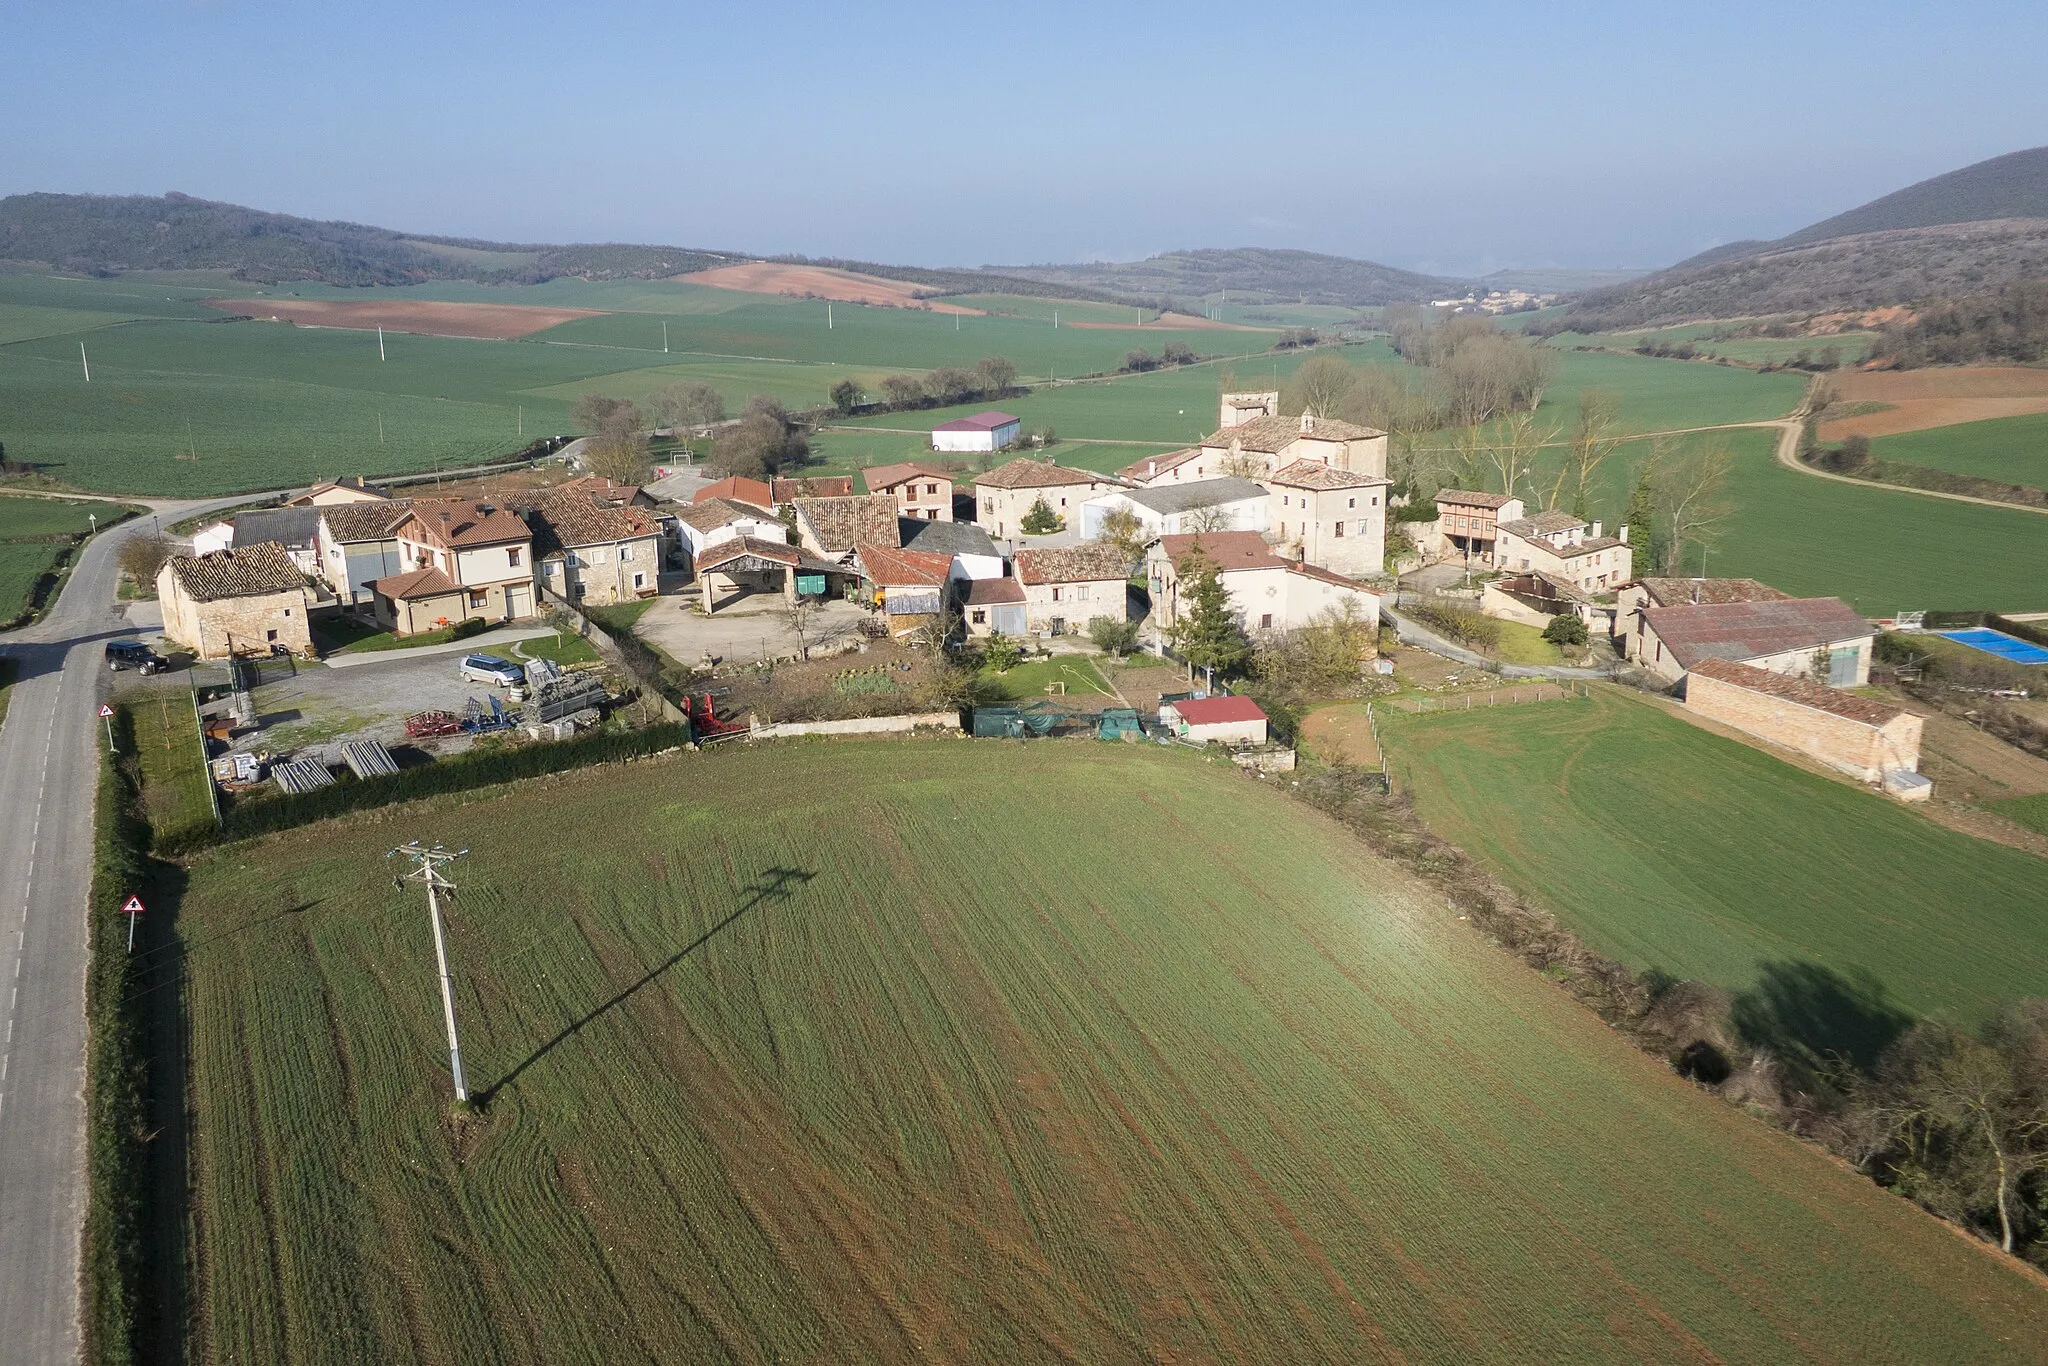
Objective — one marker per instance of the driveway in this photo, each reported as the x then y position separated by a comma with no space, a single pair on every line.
749,629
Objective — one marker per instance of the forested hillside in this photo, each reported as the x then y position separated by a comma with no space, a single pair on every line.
1250,274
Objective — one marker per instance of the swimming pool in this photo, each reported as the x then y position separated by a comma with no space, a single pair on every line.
1999,643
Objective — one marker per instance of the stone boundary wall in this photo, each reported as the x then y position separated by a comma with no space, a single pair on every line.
860,725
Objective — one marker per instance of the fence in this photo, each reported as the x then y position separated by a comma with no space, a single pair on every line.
638,663
1497,697
859,725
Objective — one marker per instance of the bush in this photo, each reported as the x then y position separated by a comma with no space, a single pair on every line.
1459,621
1041,520
472,626
1565,629
1002,653
1112,635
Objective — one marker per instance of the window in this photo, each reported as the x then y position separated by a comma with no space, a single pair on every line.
287,611
1339,531
988,505
625,553
512,557
1055,594
1351,502
980,617
932,489
477,599
1373,501
639,580
580,590
1265,621
1080,592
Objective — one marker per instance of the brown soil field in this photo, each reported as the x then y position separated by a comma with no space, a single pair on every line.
491,322
1173,322
1341,734
819,282
1921,399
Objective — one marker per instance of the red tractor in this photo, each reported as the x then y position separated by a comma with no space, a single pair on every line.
706,726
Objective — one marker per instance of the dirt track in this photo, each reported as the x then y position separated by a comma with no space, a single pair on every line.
819,282
1920,399
491,322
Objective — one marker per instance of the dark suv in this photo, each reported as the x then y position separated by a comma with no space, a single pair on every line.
133,654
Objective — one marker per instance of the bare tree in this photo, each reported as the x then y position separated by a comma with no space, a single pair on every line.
996,373
1320,385
902,391
688,407
1513,448
1206,519
1122,529
142,556
797,613
1595,436
1691,489
618,443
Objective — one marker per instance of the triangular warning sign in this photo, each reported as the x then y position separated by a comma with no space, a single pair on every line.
133,905
105,711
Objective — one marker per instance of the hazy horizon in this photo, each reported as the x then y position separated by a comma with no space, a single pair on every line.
1453,142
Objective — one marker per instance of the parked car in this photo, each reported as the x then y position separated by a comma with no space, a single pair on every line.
133,654
490,669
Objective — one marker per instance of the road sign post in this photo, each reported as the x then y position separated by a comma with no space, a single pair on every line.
107,715
132,908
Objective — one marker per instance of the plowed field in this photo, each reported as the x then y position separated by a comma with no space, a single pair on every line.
1921,399
820,282
968,1051
490,322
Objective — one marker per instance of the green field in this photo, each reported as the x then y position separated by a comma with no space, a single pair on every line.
1670,848
1849,347
2012,449
26,552
857,1052
1030,679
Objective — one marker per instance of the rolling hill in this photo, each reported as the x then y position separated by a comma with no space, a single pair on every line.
1967,231
1250,274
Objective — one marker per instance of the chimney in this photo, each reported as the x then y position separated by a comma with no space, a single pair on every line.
1596,531
1308,423
1151,468
1621,532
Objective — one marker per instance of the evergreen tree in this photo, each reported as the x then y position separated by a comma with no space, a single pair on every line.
1206,634
1041,520
1642,521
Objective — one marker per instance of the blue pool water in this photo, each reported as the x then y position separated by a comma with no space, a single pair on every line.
1999,643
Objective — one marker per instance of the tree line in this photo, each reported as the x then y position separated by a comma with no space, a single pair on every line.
2009,324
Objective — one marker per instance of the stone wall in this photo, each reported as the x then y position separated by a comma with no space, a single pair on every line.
860,725
1855,747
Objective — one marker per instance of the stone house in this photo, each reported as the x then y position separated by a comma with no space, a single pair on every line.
1240,408
1269,595
1258,447
356,544
464,559
249,600
704,524
1226,504
595,554
1871,740
991,605
607,492
786,491
921,491
1330,517
831,528
1467,524
1175,467
1559,545
1007,493
338,492
1799,636
1066,587
910,587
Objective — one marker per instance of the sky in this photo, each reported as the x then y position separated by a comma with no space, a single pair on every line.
1446,137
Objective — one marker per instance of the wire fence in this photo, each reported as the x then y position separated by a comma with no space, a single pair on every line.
1497,697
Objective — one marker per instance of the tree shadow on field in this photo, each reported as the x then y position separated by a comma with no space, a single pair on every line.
1817,1018
778,884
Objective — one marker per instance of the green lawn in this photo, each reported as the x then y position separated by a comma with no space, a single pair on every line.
619,618
21,564
564,649
1029,679
2011,449
966,1051
344,635
23,517
1674,849
2031,812
1520,644
167,746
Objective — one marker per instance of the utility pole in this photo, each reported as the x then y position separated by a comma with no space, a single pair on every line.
84,362
380,343
427,870
664,338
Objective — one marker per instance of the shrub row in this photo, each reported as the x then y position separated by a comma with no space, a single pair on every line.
459,774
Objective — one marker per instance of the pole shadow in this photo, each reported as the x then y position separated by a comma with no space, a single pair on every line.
778,884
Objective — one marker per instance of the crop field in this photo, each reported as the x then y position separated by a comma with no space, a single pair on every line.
2012,449
1895,401
858,1055
1671,848
1849,347
26,550
21,564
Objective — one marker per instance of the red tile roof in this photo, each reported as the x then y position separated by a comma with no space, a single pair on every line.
243,572
1152,466
840,524
739,490
1088,562
1226,549
1314,474
781,552
1209,711
1466,498
419,583
992,592
881,477
1750,630
1678,592
817,486
893,568
1274,433
980,422
1027,473
453,523
1804,692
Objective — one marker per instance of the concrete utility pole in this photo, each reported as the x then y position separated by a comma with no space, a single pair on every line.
86,364
427,870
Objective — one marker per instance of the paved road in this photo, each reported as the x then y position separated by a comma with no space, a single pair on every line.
48,772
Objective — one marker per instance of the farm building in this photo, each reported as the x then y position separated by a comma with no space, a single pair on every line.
595,554
1534,598
1268,593
974,555
704,524
1467,525
338,492
1785,636
1632,597
467,559
909,586
1007,493
921,491
989,431
1561,546
754,493
1225,504
747,566
1326,516
1261,445
830,528
1871,740
1215,720
1066,587
356,545
991,605
297,529
229,602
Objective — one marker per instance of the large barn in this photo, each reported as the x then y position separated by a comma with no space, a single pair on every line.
989,431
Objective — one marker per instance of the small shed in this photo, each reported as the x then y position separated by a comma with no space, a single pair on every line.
1218,720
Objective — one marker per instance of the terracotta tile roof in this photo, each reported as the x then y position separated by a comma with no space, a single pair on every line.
840,524
1467,498
1273,433
1314,474
713,513
1750,630
571,519
1589,547
1027,473
1316,571
1802,691
246,571
781,552
1226,549
893,568
881,477
740,490
1152,466
362,490
819,486
352,522
603,488
1209,711
455,523
991,592
1543,524
1088,562
980,422
419,583
1673,592
1166,499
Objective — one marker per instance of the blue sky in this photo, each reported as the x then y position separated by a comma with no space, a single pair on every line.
1448,137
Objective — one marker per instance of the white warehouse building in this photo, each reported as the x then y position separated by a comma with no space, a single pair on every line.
1226,504
989,431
